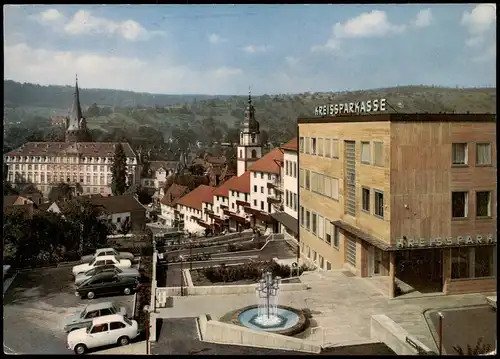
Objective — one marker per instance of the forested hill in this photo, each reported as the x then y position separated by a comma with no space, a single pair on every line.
26,94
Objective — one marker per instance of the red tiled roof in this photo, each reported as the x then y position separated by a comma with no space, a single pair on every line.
196,197
268,162
174,192
104,149
291,145
241,183
223,189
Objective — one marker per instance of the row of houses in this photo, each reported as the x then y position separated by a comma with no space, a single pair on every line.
264,196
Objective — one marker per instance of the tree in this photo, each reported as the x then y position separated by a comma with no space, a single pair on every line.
119,171
61,192
197,170
264,137
93,110
90,223
479,349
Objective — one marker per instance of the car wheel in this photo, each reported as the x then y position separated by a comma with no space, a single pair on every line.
90,295
123,340
127,291
80,349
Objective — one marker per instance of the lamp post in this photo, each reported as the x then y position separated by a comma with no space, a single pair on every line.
181,257
190,254
440,332
147,312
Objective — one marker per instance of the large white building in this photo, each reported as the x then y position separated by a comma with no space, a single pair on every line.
190,208
250,147
84,165
288,218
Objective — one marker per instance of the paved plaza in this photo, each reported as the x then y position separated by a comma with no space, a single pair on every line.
342,305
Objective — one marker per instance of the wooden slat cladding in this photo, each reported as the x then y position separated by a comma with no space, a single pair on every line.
476,285
422,178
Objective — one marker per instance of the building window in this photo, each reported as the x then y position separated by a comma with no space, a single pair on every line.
308,220
301,144
378,154
255,175
269,192
365,206
286,167
301,177
314,148
314,223
350,245
328,231
314,182
286,198
295,201
232,205
320,147
294,169
459,204
335,188
460,263
335,236
255,202
328,147
262,176
321,227
269,177
484,262
459,153
335,149
301,215
308,179
328,266
261,189
261,205
483,204
379,204
365,152
308,145
255,189
483,154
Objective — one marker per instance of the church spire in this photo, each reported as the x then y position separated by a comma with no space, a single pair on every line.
249,96
76,111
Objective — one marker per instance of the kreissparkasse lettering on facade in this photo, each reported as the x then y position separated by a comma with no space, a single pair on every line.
377,105
445,241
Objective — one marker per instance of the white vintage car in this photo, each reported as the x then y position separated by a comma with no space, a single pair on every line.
106,330
100,261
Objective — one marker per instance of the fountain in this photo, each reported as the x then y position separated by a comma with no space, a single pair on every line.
268,315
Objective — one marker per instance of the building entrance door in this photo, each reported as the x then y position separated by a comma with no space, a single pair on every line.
374,261
420,269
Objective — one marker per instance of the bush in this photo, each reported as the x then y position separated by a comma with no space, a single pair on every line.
143,291
248,271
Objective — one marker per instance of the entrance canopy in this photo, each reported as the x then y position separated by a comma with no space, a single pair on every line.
288,221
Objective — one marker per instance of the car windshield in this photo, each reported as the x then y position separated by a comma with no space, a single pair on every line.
93,261
128,321
116,253
83,314
114,309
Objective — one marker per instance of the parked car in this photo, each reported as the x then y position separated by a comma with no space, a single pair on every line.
124,272
107,252
100,261
84,318
103,331
106,283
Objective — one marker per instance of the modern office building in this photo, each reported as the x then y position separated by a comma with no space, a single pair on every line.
410,198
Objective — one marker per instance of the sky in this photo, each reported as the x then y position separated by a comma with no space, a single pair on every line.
225,49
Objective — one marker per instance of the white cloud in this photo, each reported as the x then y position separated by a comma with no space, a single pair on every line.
215,39
253,49
84,23
480,23
480,19
368,24
51,15
26,64
291,61
424,18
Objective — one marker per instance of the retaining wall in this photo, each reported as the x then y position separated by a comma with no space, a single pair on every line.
224,333
163,293
384,329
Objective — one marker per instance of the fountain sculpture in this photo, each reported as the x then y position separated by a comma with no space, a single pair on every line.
268,315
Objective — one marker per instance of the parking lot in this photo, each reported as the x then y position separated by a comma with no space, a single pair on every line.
34,308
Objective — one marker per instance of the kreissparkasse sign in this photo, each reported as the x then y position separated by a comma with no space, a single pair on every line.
445,241
376,105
